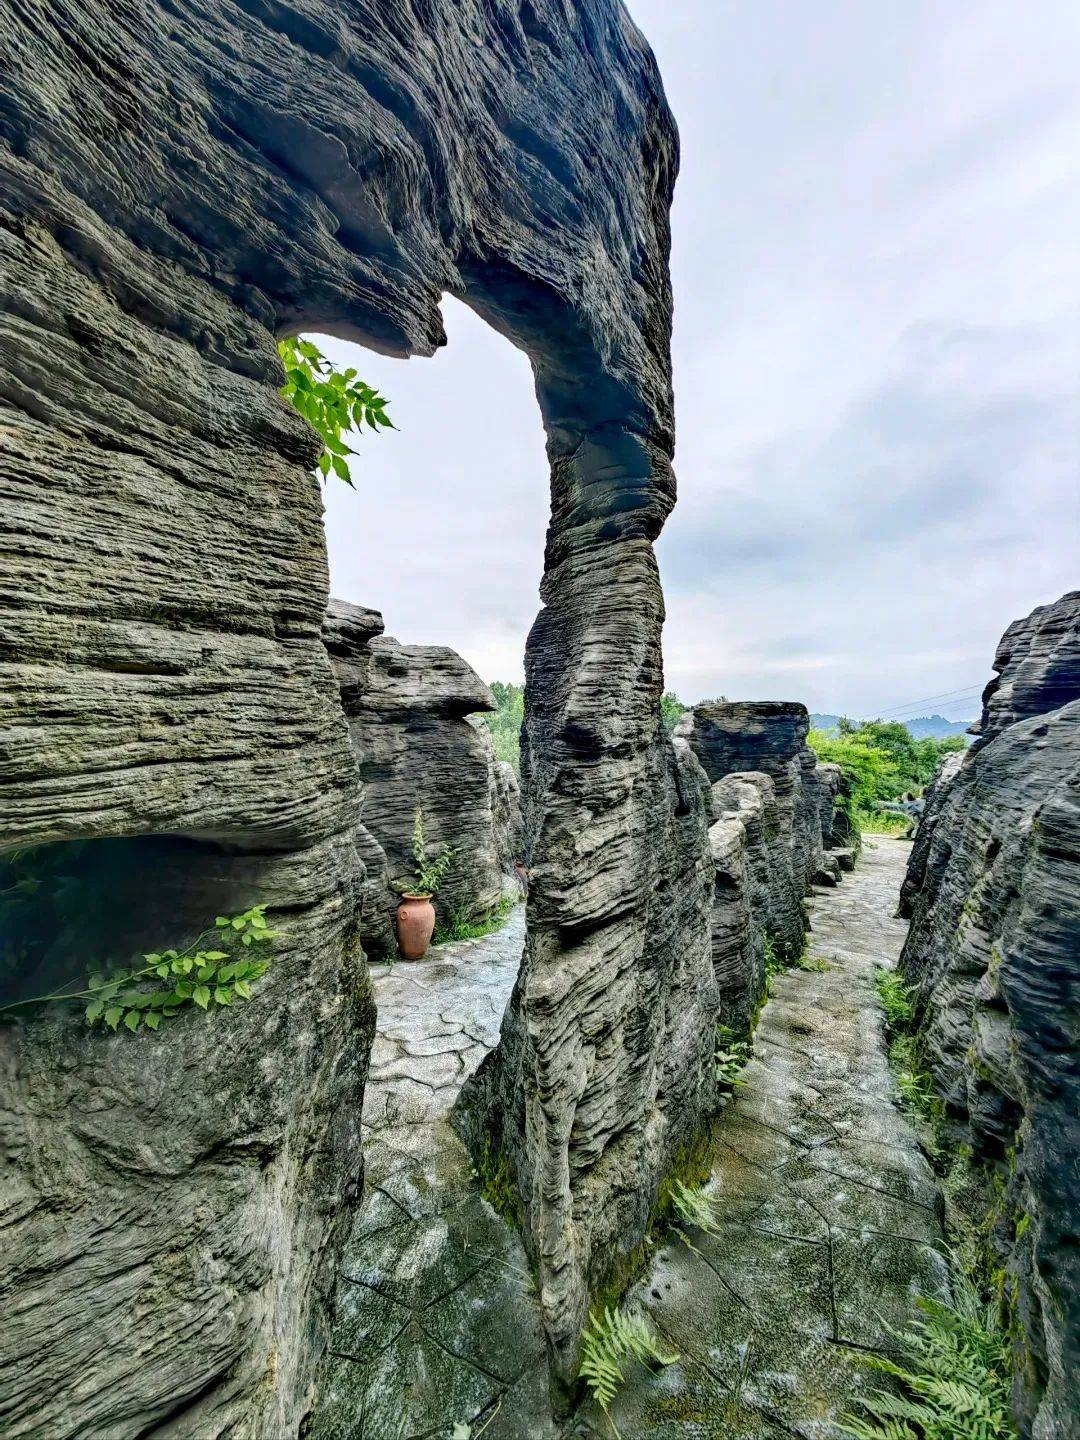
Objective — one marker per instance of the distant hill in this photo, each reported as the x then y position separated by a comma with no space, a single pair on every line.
934,726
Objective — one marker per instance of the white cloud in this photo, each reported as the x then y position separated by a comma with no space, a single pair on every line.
877,364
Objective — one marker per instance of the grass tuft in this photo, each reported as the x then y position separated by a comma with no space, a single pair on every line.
458,925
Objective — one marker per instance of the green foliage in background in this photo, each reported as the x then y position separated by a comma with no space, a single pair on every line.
881,761
210,973
671,707
332,401
505,724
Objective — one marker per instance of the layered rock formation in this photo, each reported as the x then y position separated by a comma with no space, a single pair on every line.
748,740
993,891
178,185
408,708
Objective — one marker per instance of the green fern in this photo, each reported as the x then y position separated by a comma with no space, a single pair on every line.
610,1340
954,1381
696,1208
729,1057
895,996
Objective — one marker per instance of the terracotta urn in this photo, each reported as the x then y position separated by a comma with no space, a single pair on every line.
415,925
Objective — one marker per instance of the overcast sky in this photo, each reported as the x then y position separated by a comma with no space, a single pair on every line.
877,368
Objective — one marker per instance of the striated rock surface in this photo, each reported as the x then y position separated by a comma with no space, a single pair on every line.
744,884
769,738
179,184
409,709
933,801
1037,663
993,891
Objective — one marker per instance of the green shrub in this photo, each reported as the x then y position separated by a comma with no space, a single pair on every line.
880,761
671,708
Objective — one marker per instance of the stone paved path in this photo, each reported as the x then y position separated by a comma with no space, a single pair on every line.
436,1320
829,1207
829,1221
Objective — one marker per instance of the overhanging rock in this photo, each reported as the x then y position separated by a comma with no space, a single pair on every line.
180,184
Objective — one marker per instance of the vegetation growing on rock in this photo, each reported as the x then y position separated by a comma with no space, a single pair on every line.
332,401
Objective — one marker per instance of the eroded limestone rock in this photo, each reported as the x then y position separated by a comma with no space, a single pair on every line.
409,709
178,185
993,890
747,738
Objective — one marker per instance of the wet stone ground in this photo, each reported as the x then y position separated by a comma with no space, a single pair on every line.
829,1225
437,1325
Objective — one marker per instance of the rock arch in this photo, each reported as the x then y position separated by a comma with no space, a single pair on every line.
179,183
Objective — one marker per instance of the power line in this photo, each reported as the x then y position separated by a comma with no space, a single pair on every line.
965,692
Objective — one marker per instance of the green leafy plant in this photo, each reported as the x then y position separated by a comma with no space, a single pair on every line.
458,926
209,974
610,1341
332,401
671,709
696,1208
812,964
953,1380
430,872
729,1057
895,997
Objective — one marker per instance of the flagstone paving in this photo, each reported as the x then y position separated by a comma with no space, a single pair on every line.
436,1321
828,1222
829,1210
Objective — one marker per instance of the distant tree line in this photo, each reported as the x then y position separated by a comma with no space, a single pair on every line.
505,723
882,761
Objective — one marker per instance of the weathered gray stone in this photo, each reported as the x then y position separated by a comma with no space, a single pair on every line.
1037,664
730,738
994,950
934,799
179,184
409,709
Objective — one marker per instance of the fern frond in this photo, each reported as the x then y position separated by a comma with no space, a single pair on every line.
953,1379
696,1208
608,1342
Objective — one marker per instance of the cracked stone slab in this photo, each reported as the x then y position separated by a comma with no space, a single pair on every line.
830,1224
436,1317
